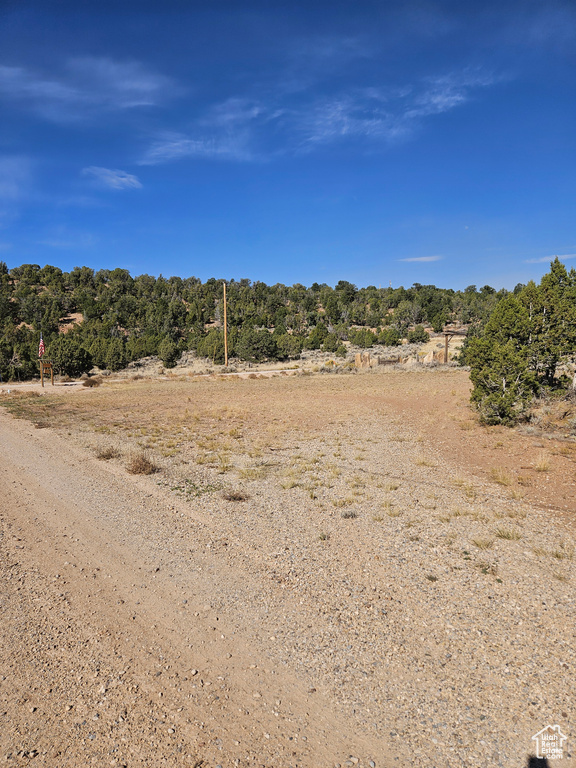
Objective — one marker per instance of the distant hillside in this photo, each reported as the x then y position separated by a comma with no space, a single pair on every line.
108,318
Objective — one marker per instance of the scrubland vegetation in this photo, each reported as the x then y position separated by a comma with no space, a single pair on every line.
108,318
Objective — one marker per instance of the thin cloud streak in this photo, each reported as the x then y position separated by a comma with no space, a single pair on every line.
548,259
178,146
112,178
86,86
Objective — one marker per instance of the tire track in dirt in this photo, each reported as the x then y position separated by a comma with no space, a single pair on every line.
113,566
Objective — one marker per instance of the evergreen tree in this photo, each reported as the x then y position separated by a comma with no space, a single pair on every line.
68,355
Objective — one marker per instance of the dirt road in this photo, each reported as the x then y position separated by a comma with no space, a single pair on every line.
122,642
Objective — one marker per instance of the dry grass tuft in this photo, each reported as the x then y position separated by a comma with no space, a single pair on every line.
343,502
500,476
483,543
517,494
508,533
224,464
543,464
422,461
564,552
107,452
141,464
349,514
561,577
488,569
235,496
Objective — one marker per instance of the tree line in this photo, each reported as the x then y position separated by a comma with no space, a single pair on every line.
111,318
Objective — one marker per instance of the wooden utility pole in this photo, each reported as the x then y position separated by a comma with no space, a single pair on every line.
225,330
449,334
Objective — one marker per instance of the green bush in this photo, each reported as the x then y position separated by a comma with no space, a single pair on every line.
115,355
503,382
389,337
168,352
316,337
418,335
331,343
289,346
362,338
212,345
256,346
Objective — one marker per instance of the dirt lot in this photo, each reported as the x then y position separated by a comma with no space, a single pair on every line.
322,570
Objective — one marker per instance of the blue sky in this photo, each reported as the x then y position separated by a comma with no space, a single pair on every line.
374,142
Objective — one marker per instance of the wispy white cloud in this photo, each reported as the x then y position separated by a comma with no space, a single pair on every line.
281,121
233,112
343,117
85,86
112,178
423,258
226,146
388,114
548,259
247,129
120,84
225,131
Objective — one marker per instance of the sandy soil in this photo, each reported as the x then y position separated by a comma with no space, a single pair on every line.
325,570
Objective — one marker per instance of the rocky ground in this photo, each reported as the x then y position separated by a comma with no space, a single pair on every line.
324,570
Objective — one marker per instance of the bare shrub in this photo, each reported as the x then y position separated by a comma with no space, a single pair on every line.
141,464
93,381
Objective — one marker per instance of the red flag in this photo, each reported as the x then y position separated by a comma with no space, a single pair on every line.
41,348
